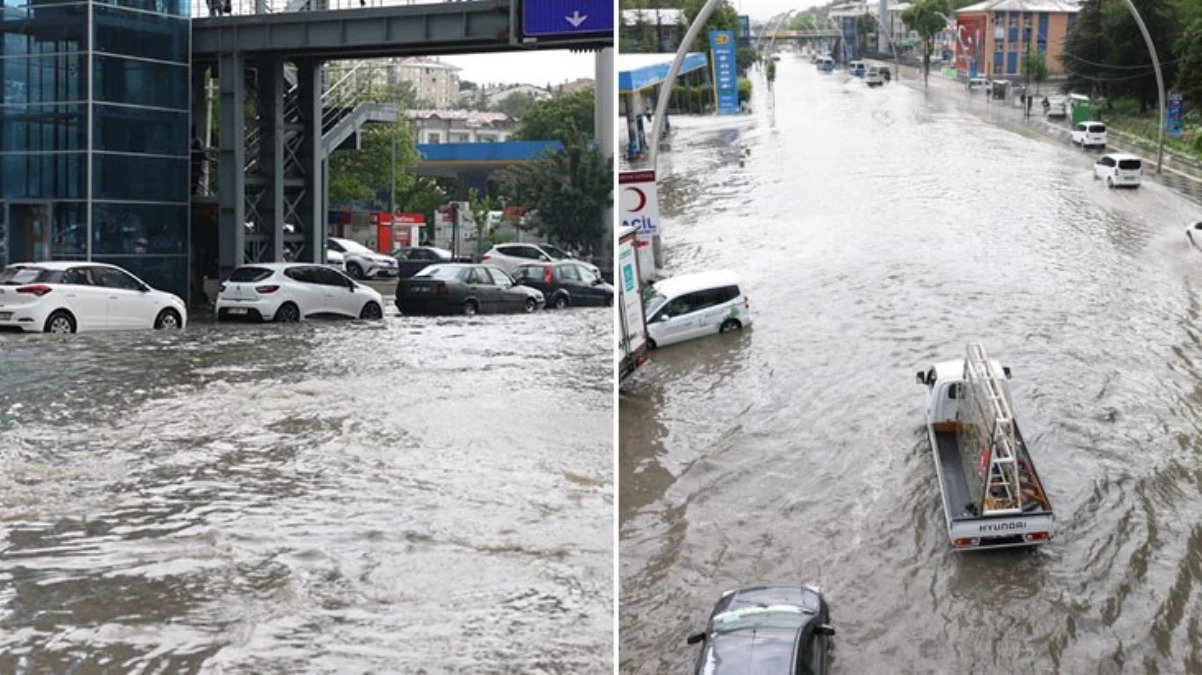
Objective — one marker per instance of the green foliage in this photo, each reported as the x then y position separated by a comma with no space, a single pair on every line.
1106,53
567,118
803,21
1035,65
565,195
479,207
866,26
724,17
516,105
926,17
360,175
745,89
1189,73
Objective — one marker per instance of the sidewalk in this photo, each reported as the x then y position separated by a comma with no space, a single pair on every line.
1180,173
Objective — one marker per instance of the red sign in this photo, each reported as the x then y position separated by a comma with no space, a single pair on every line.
409,219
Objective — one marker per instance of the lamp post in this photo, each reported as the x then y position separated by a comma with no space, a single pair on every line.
1159,83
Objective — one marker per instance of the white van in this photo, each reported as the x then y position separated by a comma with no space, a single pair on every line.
874,77
694,305
1086,134
1119,168
1057,107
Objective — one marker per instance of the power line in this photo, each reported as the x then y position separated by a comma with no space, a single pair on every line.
1117,67
1107,79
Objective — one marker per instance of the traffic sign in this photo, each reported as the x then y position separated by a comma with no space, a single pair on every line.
566,18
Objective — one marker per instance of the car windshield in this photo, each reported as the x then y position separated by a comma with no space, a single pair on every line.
442,253
16,276
554,252
438,272
249,274
355,247
772,616
652,300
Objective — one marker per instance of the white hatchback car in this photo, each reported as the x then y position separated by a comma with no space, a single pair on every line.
1087,134
1119,169
65,297
694,305
289,292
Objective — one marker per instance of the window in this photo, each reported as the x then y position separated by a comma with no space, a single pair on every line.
334,246
49,176
250,274
568,272
151,36
442,272
160,85
499,277
140,178
479,276
77,276
301,274
526,272
139,228
124,129
433,138
114,278
1130,164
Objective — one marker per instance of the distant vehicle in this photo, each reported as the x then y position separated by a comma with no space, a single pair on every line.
766,629
289,292
69,297
411,260
1119,169
694,305
509,256
826,64
566,282
1087,134
875,77
360,261
975,82
992,497
857,68
1057,107
1189,231
459,288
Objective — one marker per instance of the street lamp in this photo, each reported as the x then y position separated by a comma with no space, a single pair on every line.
1159,83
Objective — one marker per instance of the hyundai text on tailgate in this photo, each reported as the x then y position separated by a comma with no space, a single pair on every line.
992,496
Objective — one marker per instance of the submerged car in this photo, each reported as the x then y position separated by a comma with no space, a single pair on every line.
766,629
358,260
289,292
694,305
566,283
67,297
464,289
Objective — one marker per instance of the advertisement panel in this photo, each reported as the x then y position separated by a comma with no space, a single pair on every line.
726,78
1173,120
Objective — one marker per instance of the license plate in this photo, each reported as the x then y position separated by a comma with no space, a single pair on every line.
420,289
5,316
238,310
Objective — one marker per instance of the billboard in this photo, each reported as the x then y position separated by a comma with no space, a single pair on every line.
726,77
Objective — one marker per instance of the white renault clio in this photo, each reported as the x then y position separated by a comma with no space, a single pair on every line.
65,297
693,305
288,292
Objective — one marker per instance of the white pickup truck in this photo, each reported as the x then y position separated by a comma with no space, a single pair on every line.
992,497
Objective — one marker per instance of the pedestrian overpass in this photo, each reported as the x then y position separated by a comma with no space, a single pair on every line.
282,113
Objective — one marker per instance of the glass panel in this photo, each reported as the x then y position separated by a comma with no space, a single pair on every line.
150,36
140,178
60,176
45,79
139,229
44,29
122,129
3,234
69,229
172,7
166,273
44,128
121,80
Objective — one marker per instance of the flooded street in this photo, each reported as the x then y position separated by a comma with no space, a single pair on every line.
319,497
877,231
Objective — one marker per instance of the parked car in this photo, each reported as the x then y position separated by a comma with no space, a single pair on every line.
566,282
459,288
509,256
766,629
694,305
413,259
289,292
1119,169
1088,134
1057,106
67,297
358,260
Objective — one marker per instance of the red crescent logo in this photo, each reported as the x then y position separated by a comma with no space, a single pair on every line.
642,198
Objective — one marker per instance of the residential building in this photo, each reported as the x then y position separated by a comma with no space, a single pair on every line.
435,83
652,30
995,34
460,126
576,85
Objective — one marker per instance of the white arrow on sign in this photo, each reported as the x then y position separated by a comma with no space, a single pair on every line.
576,19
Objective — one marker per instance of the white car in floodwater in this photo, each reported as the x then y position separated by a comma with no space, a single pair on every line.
68,297
289,292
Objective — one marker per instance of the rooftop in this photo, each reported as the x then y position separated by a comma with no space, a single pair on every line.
1069,6
471,117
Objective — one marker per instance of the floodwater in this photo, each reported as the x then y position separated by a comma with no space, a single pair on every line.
319,497
878,231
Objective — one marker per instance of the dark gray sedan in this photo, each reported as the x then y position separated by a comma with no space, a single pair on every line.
464,289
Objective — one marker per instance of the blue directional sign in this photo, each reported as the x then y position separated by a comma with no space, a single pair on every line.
549,18
1173,123
726,78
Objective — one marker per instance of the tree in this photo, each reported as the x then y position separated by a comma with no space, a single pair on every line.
565,194
516,105
1035,66
724,17
364,175
567,118
926,17
866,24
1085,46
1189,53
480,207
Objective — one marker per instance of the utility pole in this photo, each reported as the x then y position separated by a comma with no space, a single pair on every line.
1159,84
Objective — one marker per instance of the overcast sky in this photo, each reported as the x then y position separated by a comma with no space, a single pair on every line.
553,65
760,10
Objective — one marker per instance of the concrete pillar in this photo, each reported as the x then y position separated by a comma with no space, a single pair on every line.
309,81
202,126
633,108
604,117
231,163
271,150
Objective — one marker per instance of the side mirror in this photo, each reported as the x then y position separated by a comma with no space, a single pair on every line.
145,288
825,629
1006,371
921,377
695,638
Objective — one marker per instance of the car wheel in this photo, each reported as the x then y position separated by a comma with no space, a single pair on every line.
729,325
470,308
371,311
168,319
354,270
651,346
561,301
60,322
287,313
1110,183
609,301
532,305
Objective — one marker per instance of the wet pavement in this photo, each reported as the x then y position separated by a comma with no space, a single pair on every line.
348,497
877,231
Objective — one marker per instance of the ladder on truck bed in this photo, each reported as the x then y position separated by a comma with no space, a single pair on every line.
997,440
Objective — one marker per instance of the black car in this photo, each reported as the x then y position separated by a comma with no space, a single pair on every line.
413,259
766,629
566,282
464,289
